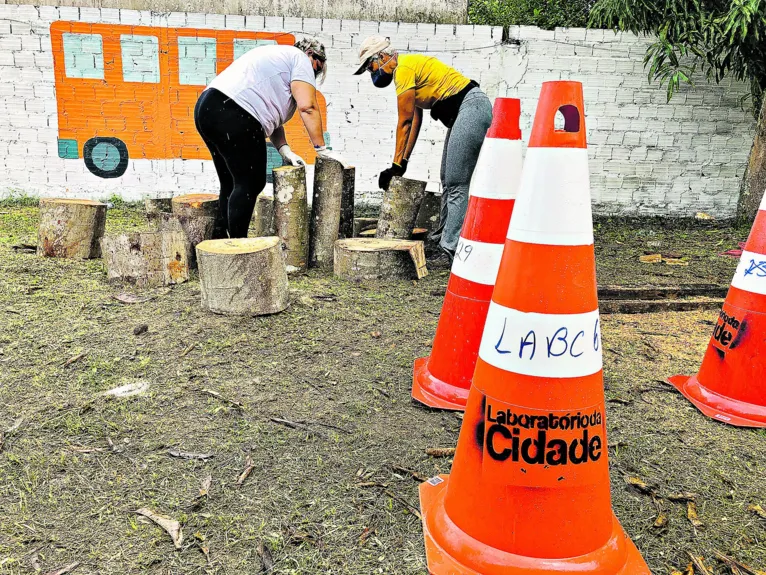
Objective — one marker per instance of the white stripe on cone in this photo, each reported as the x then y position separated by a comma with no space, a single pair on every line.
477,261
499,159
751,273
542,345
564,218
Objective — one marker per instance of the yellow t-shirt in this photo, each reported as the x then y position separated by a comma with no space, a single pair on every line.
431,79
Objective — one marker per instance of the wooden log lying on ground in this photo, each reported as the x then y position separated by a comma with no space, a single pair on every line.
401,203
70,228
373,258
346,228
329,178
147,258
196,229
429,212
242,276
200,206
291,215
263,216
364,224
156,206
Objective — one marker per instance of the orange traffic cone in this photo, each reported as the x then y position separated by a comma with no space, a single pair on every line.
442,379
529,489
731,384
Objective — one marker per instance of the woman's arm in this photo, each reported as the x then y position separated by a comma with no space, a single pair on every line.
417,121
306,100
406,106
278,138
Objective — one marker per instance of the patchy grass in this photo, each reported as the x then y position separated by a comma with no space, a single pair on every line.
73,474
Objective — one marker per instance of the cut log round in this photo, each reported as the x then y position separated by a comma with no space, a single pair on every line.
263,216
147,258
325,211
417,233
70,228
364,224
291,215
373,258
196,229
429,212
155,206
401,203
200,205
243,276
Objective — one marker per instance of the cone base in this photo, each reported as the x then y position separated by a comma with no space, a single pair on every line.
454,398
719,407
619,556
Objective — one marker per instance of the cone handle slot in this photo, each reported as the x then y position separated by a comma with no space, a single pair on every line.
571,117
565,98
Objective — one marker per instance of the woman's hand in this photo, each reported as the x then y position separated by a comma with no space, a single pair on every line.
290,158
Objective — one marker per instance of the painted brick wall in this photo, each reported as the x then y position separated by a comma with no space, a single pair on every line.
647,157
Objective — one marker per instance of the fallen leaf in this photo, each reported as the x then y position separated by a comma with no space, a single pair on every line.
675,262
736,567
129,390
650,259
171,526
699,564
703,216
683,496
661,521
187,455
205,486
131,298
757,510
691,514
66,569
639,484
440,451
375,334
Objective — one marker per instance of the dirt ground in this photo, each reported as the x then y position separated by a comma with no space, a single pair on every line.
338,361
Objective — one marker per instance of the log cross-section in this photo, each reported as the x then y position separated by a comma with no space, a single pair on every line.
372,258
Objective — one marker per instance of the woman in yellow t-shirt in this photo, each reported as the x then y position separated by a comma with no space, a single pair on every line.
424,83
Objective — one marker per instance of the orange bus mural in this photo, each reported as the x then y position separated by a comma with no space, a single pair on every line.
129,91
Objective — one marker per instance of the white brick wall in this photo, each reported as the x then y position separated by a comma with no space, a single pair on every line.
647,156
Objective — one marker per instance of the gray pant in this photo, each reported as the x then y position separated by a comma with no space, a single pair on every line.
461,152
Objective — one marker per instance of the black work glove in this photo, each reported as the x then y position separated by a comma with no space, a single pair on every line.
385,177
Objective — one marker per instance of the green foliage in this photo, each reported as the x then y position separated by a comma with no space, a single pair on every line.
546,14
717,38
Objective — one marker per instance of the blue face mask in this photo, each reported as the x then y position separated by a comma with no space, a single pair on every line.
381,79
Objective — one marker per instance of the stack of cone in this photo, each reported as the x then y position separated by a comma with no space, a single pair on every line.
529,489
442,380
731,384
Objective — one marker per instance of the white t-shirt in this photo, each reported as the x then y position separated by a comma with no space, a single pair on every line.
259,81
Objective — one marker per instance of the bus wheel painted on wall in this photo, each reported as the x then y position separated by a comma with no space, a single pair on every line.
105,157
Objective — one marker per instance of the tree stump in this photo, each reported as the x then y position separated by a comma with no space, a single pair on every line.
291,215
70,228
156,206
429,212
263,216
417,233
147,259
329,178
401,203
346,228
364,224
242,276
373,258
196,229
200,206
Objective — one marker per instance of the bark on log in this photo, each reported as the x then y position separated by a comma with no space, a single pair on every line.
325,211
196,229
200,205
417,234
70,228
263,216
156,206
401,202
242,276
147,258
291,215
373,258
429,212
364,224
754,180
346,229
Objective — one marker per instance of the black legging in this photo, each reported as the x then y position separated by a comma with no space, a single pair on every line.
238,145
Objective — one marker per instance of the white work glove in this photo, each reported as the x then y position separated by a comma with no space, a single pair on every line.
332,156
290,158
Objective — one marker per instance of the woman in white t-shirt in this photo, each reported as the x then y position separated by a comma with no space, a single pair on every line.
250,100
